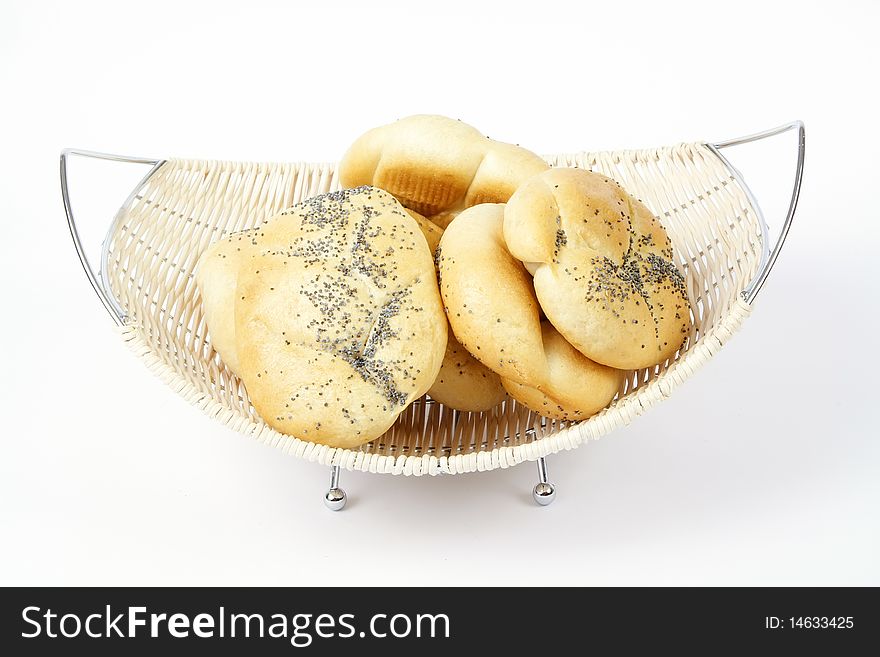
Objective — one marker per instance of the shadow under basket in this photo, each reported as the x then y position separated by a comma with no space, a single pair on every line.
145,281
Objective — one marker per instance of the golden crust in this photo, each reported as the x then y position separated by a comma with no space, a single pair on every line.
588,385
338,321
437,166
430,230
603,267
443,219
216,280
463,383
494,314
488,296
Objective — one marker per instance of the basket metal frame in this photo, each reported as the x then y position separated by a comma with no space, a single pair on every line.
544,491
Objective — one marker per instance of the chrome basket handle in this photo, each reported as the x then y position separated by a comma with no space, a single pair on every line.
768,258
95,277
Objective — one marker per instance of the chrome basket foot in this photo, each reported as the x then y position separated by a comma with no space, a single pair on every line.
335,498
544,492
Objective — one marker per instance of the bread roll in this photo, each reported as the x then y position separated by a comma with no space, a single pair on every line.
489,298
216,280
463,382
437,166
337,318
494,314
604,269
431,231
588,389
443,219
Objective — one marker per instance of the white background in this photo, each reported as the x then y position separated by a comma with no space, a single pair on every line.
762,469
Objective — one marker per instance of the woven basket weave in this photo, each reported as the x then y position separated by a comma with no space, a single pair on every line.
184,205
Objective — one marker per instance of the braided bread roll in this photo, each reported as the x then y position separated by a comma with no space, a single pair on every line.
437,166
603,265
494,314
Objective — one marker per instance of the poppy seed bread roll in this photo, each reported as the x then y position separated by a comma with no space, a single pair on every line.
494,314
462,383
338,323
604,268
437,166
217,280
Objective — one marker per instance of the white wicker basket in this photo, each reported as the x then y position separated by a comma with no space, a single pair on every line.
145,281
